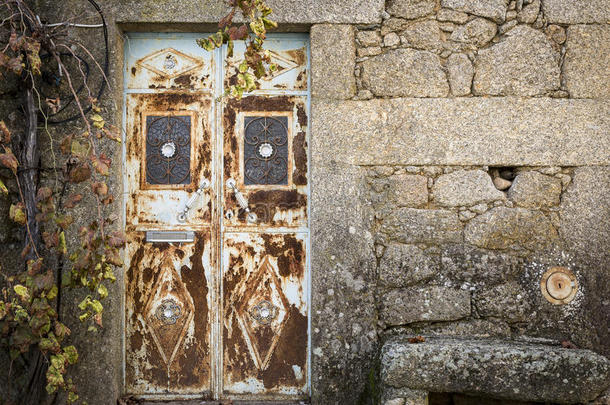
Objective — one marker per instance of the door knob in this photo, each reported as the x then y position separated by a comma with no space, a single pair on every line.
242,201
205,183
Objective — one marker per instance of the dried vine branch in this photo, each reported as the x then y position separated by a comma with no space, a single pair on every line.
30,327
29,323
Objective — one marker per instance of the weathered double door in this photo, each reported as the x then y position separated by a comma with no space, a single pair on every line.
216,209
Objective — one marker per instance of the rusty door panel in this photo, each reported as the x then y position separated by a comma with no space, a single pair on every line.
225,316
281,200
265,314
169,61
167,324
150,201
290,56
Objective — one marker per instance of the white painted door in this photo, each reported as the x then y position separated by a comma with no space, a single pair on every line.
216,208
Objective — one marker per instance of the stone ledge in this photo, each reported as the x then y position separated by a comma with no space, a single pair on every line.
503,131
496,368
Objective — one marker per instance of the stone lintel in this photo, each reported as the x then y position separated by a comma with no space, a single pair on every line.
284,11
508,131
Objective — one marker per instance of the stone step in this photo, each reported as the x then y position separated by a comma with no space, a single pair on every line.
495,368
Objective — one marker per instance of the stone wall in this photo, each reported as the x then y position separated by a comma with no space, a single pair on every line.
478,130
459,148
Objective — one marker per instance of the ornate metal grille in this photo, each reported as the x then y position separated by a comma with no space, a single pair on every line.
168,149
265,150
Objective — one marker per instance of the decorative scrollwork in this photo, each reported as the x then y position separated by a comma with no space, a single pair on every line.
168,312
168,149
265,150
264,312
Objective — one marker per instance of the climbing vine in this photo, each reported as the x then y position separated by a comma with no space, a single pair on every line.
30,324
257,60
61,251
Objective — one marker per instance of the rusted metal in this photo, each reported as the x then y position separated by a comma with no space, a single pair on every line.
167,322
220,309
283,205
156,204
264,313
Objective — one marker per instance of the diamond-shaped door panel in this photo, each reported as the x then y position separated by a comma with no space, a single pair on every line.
265,312
169,311
181,64
262,313
290,58
167,322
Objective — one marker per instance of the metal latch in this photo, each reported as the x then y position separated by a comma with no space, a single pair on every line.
170,236
242,201
205,183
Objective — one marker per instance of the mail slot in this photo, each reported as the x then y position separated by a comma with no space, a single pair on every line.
170,236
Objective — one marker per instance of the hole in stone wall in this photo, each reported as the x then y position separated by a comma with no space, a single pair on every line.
503,176
443,398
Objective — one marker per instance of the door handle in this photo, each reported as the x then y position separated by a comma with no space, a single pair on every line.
205,183
242,201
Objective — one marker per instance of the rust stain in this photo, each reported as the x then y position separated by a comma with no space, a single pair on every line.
299,152
291,350
195,106
266,352
184,80
193,358
164,355
301,115
272,205
298,56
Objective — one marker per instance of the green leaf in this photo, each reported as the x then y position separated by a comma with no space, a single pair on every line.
52,293
3,188
98,121
50,387
250,82
217,39
79,149
109,274
72,397
230,46
49,344
83,304
71,354
40,324
62,248
96,306
269,24
17,213
102,291
58,362
243,66
205,44
22,292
